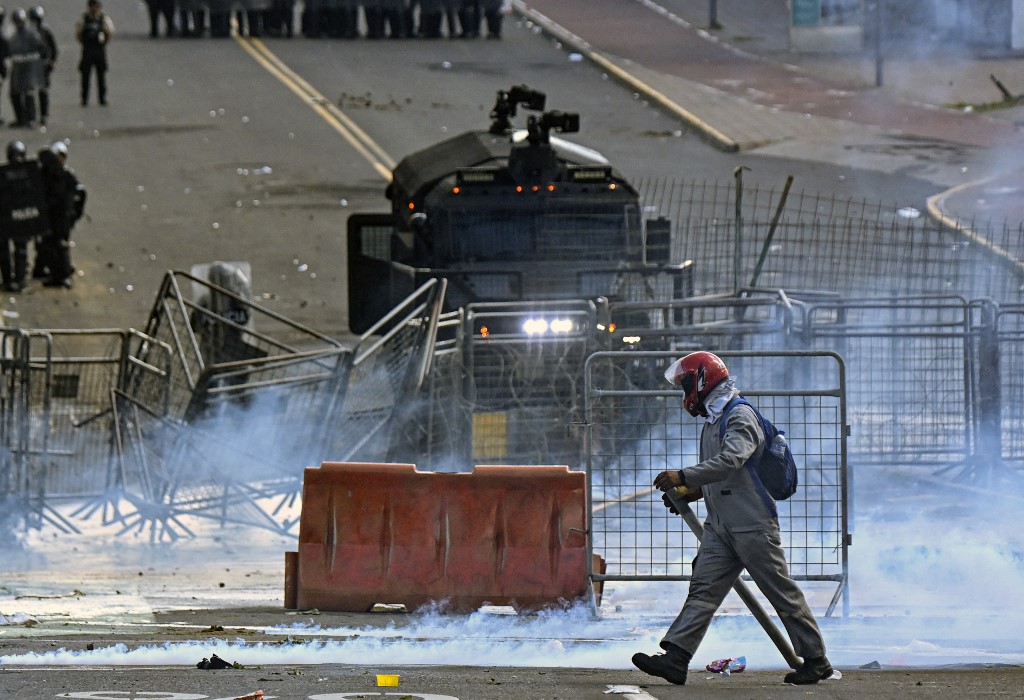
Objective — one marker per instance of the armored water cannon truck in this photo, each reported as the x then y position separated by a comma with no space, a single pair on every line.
510,216
546,260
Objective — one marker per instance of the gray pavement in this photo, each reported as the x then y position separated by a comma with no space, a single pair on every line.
743,100
743,89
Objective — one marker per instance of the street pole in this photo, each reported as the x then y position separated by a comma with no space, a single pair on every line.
713,15
878,43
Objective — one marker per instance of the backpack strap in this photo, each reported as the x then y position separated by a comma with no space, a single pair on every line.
753,462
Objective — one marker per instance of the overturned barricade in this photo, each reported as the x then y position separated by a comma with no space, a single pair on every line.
226,433
212,410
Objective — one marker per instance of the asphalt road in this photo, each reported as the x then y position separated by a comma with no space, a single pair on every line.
218,150
257,151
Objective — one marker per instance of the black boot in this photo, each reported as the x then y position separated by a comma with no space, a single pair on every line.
810,672
671,665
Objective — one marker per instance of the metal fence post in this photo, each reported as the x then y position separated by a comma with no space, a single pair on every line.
987,398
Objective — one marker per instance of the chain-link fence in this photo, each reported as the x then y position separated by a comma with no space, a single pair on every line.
781,239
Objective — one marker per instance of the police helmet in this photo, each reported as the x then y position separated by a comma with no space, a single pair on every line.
60,148
19,17
36,14
48,159
16,152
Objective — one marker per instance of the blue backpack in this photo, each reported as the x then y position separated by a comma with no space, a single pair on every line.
775,472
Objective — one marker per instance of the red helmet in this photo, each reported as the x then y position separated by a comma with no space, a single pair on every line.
697,374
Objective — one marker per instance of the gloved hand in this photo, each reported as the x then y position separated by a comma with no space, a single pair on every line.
669,504
687,495
668,479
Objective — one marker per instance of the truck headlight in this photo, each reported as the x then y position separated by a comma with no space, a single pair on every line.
540,326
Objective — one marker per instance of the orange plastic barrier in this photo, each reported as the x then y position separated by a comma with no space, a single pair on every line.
386,533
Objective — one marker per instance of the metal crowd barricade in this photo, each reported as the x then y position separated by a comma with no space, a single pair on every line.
997,371
57,415
515,376
21,495
907,360
437,437
230,426
755,320
390,364
635,430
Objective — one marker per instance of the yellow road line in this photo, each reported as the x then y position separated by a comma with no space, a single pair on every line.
369,149
935,205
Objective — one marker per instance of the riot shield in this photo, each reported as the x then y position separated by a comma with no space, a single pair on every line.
22,201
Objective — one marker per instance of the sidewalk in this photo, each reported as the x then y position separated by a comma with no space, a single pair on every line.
822,108
740,101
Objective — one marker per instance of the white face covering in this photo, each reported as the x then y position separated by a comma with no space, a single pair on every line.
719,397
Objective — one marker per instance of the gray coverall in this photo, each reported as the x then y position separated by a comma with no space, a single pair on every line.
740,532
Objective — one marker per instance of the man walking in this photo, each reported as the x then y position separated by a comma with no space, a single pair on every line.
741,530
94,31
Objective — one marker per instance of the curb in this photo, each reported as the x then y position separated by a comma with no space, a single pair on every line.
707,131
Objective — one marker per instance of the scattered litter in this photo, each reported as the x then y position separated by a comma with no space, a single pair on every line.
18,619
390,681
871,666
257,695
727,666
388,608
836,675
497,610
575,57
73,594
623,690
908,213
10,314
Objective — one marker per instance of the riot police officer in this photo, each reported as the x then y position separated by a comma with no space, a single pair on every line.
49,61
65,202
192,17
158,9
493,17
27,73
94,31
13,248
5,51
